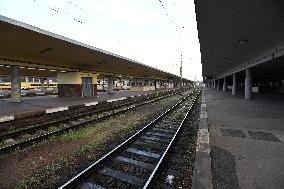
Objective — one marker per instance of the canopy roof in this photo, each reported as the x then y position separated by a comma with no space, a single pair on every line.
28,46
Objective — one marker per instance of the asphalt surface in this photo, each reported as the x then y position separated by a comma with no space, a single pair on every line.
36,103
247,140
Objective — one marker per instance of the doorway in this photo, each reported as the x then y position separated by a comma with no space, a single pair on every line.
87,86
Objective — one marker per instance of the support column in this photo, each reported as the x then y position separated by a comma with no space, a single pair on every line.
234,86
42,88
224,85
158,84
15,83
248,84
218,85
110,84
214,84
120,83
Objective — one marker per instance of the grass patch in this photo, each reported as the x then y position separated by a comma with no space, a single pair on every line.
96,139
84,132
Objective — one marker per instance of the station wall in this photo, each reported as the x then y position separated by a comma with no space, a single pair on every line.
70,83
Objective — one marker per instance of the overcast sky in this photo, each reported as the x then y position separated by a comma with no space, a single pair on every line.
153,32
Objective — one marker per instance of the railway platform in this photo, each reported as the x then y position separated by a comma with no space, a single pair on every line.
246,139
30,105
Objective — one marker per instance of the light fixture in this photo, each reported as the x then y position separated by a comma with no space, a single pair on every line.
7,66
46,50
242,41
30,68
226,59
22,67
41,69
63,71
1,65
52,70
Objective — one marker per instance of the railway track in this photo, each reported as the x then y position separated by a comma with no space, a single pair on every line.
31,135
136,162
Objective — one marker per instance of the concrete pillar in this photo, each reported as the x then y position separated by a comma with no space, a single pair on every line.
42,88
158,84
103,83
218,85
234,86
248,84
15,83
120,83
224,85
110,84
47,84
214,84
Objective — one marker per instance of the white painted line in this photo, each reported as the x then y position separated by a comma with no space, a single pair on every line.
203,107
203,136
122,98
203,115
111,100
53,110
7,118
202,177
91,103
116,99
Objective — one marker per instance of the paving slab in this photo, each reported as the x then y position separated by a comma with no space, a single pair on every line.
246,138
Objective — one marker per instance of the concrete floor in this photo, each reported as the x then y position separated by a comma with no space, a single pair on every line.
240,160
30,104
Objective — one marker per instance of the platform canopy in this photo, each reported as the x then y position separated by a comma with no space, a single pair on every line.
31,47
235,35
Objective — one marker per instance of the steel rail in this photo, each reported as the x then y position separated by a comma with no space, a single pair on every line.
42,126
39,138
72,182
161,161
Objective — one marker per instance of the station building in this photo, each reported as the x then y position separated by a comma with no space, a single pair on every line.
244,50
30,51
